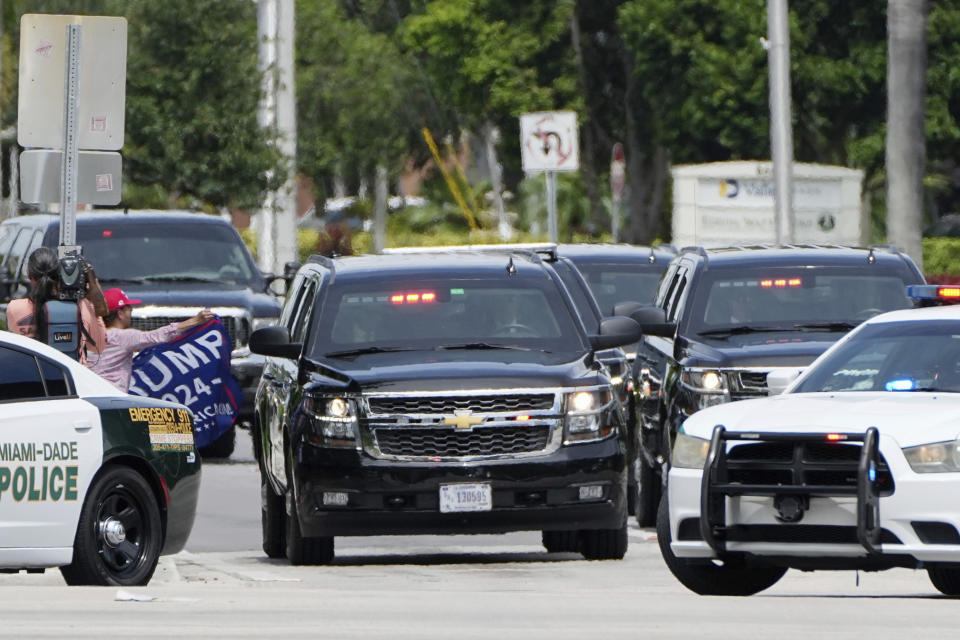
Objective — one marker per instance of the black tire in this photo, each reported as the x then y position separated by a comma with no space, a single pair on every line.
945,579
272,516
604,544
303,550
119,534
649,489
222,447
561,541
706,578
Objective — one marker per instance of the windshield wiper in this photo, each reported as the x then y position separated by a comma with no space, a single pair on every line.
352,353
733,331
176,279
826,326
121,280
482,345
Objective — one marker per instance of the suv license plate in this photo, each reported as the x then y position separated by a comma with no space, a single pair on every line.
465,497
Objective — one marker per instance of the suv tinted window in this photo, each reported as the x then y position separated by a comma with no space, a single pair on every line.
612,283
784,296
414,313
166,251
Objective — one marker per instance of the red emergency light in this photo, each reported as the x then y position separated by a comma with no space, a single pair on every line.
413,297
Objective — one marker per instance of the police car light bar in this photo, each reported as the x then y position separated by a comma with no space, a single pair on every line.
947,293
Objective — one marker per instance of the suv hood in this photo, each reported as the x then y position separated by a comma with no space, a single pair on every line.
455,371
762,350
910,418
203,294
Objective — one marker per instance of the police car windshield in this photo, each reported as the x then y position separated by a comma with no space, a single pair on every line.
447,315
140,252
893,356
804,299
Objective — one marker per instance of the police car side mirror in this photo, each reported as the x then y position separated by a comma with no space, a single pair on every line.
651,318
616,331
274,341
779,379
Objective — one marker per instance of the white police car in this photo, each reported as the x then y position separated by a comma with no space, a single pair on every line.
855,466
92,480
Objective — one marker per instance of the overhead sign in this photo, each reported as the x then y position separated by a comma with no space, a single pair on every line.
548,141
102,83
98,176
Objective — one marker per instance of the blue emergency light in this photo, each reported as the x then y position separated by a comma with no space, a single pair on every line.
936,292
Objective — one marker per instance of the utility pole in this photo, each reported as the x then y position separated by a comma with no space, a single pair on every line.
277,223
781,131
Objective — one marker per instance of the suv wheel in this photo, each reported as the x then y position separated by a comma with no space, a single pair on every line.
301,549
222,447
272,515
648,489
560,541
709,579
604,544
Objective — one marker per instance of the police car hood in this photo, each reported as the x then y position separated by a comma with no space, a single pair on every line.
910,418
457,370
201,294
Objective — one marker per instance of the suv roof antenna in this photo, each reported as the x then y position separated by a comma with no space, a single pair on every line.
511,268
652,257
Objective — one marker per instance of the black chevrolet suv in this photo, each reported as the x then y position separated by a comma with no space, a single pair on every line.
438,393
724,319
176,262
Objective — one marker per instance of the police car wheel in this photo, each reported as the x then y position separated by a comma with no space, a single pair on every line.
706,578
945,579
272,517
305,550
604,544
119,536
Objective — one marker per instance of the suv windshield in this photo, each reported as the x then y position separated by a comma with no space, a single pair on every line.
612,283
893,356
453,313
135,252
798,298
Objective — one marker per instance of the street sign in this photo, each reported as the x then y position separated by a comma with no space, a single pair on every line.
98,176
102,82
618,171
548,141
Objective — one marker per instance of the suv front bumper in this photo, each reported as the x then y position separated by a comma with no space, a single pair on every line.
391,498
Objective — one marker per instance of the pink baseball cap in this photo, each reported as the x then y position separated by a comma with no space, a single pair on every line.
117,299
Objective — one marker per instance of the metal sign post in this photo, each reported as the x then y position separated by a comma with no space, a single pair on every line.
68,166
548,142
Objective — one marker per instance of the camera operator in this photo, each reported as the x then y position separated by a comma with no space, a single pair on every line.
28,316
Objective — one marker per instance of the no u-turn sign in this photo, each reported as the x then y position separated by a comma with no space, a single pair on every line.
548,141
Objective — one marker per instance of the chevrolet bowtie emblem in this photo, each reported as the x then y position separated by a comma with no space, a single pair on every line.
462,420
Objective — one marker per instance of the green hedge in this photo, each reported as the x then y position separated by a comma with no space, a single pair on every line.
941,256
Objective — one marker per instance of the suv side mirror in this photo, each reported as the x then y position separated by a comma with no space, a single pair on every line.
616,331
651,318
274,341
780,379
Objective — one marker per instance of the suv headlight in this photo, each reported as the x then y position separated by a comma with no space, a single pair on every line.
587,417
709,385
937,457
689,452
333,421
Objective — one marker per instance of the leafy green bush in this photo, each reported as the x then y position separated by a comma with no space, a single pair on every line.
941,256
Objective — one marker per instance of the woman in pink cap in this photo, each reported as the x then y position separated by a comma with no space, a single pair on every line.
116,360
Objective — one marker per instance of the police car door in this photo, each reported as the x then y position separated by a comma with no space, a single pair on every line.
50,448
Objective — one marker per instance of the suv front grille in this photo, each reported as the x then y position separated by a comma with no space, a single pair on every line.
238,327
473,404
449,442
753,380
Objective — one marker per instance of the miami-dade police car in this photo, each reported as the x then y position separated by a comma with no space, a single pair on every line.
92,480
855,466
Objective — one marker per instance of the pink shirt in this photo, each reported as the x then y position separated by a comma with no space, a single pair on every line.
116,360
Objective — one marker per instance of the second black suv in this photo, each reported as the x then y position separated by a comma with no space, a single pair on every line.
724,319
438,393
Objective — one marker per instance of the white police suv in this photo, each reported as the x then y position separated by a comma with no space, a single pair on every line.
92,480
855,466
